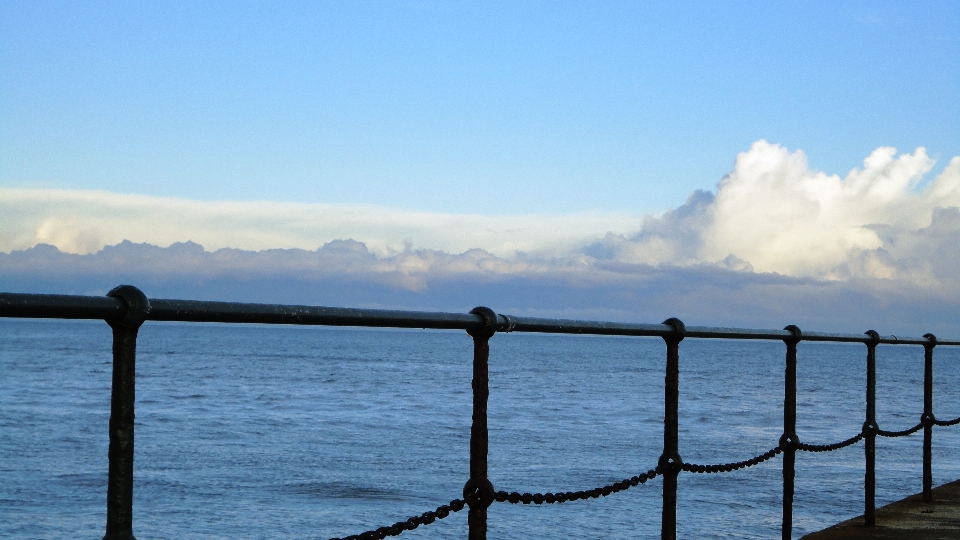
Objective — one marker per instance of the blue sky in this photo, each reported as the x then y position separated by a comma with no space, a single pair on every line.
730,163
489,108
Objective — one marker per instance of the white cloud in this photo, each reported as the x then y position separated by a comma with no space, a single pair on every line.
772,213
776,213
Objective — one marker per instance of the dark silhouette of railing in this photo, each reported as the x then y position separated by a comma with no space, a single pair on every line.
126,308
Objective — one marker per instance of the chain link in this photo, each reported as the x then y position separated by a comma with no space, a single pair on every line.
953,422
557,498
830,447
728,467
425,518
903,433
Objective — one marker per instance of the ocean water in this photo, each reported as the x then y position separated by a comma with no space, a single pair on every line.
310,432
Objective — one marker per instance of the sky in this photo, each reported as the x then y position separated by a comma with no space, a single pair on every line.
483,108
498,143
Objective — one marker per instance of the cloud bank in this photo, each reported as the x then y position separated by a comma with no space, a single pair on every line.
86,221
777,243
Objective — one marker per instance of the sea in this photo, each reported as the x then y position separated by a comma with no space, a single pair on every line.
276,432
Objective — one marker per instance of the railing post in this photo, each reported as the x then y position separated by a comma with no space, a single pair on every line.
478,492
870,433
670,463
120,453
789,439
928,419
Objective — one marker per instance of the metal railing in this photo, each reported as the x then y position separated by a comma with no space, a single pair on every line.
126,308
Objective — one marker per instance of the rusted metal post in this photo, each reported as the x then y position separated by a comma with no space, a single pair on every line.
120,453
670,463
478,492
870,434
789,439
928,418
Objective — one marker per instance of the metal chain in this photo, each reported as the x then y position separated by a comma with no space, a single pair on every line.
728,467
557,498
425,518
830,447
903,433
457,505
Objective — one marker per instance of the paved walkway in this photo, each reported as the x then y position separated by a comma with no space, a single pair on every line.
910,518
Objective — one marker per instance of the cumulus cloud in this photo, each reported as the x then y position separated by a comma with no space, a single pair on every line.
772,213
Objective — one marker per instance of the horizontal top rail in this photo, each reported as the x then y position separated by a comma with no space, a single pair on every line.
56,306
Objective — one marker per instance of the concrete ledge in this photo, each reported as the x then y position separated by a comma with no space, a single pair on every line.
910,518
